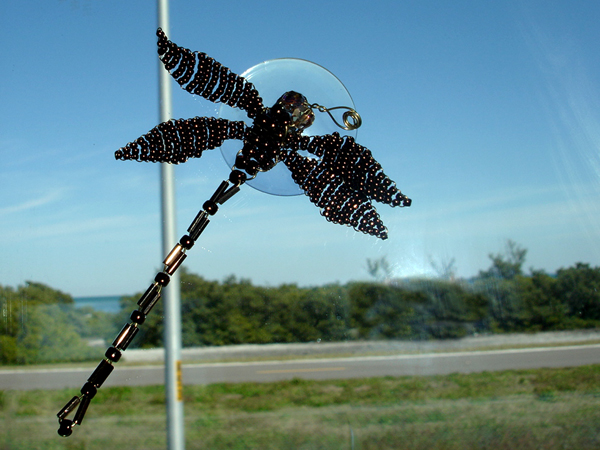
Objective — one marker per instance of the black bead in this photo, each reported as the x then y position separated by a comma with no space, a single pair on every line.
68,408
162,278
251,167
99,376
222,187
66,428
125,336
210,207
186,242
198,225
149,298
83,406
89,390
406,202
137,317
240,162
237,177
113,354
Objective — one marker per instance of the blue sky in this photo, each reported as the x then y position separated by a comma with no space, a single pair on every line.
485,113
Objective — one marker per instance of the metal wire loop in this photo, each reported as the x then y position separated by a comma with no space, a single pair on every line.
351,118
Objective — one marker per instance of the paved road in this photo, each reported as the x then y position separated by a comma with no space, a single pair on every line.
357,367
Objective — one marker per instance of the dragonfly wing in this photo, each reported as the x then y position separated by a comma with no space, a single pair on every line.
342,181
200,74
175,141
337,201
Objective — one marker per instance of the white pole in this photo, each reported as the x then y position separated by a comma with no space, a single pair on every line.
172,292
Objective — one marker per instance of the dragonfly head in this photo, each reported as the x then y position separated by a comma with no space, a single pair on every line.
300,111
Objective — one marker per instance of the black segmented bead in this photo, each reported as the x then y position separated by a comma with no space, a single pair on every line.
149,298
99,376
125,337
83,406
210,207
219,191
198,225
89,390
237,177
113,354
240,161
68,408
186,242
66,428
228,194
162,279
252,167
137,317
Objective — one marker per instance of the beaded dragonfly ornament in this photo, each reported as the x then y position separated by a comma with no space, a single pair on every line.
338,175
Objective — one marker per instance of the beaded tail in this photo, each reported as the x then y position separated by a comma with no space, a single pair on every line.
146,302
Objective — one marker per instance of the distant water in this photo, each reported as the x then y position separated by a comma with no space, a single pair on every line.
106,304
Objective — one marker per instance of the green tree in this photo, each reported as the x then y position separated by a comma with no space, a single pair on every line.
579,287
286,318
48,336
322,314
40,325
448,309
497,284
235,312
336,318
505,305
10,312
381,311
542,307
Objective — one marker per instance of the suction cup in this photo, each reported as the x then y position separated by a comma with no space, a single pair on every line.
272,79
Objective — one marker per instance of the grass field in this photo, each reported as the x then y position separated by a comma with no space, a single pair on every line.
532,409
